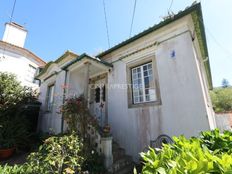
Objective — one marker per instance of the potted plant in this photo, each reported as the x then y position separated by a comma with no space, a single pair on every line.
106,128
13,134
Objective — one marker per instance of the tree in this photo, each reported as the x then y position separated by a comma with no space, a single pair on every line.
12,94
225,83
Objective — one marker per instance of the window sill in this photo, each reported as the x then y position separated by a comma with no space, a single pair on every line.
145,104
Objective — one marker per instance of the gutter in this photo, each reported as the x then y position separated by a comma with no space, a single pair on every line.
64,95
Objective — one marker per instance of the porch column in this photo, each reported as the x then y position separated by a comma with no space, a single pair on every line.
86,90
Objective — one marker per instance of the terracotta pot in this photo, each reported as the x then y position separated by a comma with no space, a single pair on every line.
6,153
106,129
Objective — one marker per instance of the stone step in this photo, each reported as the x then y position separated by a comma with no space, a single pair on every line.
118,153
128,169
115,145
121,163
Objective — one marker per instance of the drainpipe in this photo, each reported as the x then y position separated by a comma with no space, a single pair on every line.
87,82
64,94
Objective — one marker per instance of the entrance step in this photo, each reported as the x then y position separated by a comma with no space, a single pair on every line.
122,163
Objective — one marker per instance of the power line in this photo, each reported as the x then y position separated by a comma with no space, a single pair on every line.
12,12
133,16
216,41
107,29
11,17
170,6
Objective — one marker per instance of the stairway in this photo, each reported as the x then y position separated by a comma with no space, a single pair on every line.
122,163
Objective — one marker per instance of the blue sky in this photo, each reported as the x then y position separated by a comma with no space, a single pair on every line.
78,25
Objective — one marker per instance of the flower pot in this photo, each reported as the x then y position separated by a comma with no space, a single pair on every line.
6,153
106,129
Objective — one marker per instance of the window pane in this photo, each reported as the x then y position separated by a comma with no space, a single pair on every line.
143,85
146,82
50,97
145,73
152,94
97,95
141,98
145,67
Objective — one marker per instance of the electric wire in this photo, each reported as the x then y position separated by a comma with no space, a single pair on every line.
12,12
133,16
170,6
107,28
11,17
222,48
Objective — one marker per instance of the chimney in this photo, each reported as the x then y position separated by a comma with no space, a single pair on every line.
15,34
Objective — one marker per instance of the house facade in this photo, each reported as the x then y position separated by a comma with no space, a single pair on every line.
154,83
16,59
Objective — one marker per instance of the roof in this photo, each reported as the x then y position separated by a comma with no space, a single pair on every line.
16,25
23,50
196,13
87,57
62,57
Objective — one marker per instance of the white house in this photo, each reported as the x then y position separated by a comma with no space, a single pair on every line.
16,59
154,83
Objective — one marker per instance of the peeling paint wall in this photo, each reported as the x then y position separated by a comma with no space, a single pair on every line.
183,108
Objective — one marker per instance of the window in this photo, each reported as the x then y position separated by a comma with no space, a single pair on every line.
143,86
97,94
50,95
31,73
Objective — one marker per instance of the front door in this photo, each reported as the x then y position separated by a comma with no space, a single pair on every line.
99,101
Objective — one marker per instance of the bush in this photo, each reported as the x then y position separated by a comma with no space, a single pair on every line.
222,99
16,169
13,95
190,156
58,155
62,154
217,142
14,127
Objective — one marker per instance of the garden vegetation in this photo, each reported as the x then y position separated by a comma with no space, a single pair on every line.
210,153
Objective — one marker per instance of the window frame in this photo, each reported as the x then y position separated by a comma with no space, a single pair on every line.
144,95
140,62
30,76
49,106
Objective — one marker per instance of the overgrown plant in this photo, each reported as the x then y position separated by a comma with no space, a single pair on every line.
192,155
14,128
77,116
13,95
58,155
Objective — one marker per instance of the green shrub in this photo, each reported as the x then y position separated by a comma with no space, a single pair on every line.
222,99
57,155
216,141
189,156
94,163
14,127
16,169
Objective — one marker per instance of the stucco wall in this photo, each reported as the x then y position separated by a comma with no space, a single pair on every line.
51,121
18,65
182,109
185,106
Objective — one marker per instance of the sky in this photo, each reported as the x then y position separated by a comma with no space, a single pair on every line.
55,26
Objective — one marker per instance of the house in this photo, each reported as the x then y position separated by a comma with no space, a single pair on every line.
154,83
16,59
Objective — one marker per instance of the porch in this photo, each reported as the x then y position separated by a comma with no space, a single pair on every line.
88,76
